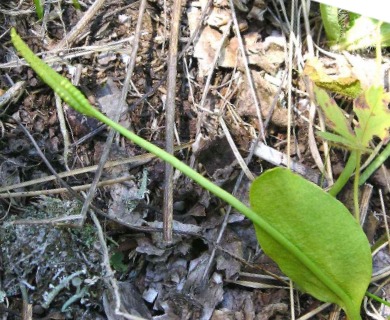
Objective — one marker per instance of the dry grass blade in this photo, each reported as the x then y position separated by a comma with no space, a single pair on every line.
135,161
63,190
237,154
63,129
248,71
385,217
314,312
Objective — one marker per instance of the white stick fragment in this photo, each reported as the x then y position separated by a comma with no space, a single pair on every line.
279,159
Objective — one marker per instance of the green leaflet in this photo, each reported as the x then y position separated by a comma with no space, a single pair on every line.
295,249
371,108
373,113
354,32
337,120
330,20
363,33
76,4
38,8
322,229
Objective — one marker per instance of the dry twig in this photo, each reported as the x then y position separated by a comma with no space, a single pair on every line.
80,26
170,119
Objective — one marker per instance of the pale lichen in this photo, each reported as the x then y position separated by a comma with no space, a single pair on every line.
43,254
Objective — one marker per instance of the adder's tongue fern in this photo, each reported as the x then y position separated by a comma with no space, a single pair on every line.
301,265
77,101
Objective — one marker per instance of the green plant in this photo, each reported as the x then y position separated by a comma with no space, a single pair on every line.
361,32
38,8
373,120
116,262
375,164
76,4
331,22
350,31
316,243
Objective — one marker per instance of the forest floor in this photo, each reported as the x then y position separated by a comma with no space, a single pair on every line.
228,126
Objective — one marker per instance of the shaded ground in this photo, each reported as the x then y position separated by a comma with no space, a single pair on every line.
59,270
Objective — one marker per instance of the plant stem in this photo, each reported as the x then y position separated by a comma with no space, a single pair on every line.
76,4
374,165
238,205
376,298
330,20
38,8
345,175
386,152
356,186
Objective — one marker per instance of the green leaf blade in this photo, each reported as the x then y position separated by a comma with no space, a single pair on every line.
341,142
363,33
338,121
374,115
38,8
330,20
323,230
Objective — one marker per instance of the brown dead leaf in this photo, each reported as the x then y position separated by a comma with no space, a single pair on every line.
266,93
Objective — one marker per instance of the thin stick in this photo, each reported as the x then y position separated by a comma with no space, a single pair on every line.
221,44
234,148
119,111
289,81
63,129
315,311
63,190
113,284
134,161
80,26
170,120
292,311
208,80
356,187
365,202
384,217
247,71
